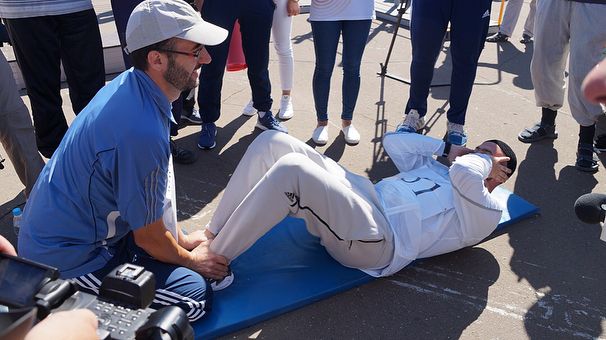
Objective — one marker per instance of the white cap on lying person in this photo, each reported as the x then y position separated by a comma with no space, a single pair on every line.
153,21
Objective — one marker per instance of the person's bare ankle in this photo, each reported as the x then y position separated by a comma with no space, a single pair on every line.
322,123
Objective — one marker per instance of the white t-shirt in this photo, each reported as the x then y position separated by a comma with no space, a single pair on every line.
433,209
335,10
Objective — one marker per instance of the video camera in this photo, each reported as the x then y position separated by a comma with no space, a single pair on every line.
122,307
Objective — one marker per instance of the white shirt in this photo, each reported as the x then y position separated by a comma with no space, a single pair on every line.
336,10
433,209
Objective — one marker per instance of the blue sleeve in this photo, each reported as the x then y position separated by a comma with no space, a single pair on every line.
140,179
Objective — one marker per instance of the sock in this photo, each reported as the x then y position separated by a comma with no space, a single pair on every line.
548,116
586,134
261,114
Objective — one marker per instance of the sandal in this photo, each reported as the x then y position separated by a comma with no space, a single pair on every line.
586,161
537,133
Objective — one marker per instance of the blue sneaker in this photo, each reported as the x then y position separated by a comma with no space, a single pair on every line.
269,122
412,123
456,134
207,136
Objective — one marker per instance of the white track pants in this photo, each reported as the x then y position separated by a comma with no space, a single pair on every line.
279,176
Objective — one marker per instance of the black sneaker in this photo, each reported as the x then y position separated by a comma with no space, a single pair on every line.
586,160
192,118
537,133
497,38
180,155
600,143
526,39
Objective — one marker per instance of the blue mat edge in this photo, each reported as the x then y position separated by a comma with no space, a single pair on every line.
273,313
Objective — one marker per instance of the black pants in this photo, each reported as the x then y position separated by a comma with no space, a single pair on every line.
255,19
41,44
469,20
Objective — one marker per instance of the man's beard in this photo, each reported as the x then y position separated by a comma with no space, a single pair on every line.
178,77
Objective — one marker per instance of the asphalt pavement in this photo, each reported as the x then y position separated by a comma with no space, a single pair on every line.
541,279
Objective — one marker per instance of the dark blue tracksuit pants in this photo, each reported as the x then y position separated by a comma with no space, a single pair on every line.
469,20
255,17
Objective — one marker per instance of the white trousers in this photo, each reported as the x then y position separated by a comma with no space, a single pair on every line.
279,176
281,31
567,29
16,130
511,15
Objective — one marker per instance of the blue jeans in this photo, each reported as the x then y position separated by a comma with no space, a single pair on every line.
175,285
326,39
255,19
469,21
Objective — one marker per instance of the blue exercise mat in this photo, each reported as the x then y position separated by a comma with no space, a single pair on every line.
288,269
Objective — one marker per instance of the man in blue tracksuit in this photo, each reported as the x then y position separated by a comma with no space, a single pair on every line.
469,21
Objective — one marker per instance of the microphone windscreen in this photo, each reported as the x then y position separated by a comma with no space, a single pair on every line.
589,208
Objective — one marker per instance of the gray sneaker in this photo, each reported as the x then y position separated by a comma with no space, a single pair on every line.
412,123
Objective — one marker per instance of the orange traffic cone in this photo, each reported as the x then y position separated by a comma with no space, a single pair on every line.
235,57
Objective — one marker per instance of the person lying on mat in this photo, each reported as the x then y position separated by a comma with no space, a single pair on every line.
427,209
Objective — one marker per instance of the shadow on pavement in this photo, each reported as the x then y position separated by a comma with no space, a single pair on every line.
558,255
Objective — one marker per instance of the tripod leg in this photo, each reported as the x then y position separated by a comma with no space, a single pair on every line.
401,10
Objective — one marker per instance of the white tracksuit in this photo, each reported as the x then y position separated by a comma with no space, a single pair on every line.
425,210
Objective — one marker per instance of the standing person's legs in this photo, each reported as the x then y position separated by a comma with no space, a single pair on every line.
255,25
428,27
82,56
37,48
550,53
122,10
510,17
355,35
260,156
547,66
587,41
469,26
16,130
281,32
352,229
529,24
326,40
223,14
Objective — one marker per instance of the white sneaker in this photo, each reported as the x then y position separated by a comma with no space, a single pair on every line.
320,135
249,109
286,111
352,136
222,284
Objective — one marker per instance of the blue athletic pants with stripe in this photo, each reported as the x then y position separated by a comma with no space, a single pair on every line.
469,20
175,285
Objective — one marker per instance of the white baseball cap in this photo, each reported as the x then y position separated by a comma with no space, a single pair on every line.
153,21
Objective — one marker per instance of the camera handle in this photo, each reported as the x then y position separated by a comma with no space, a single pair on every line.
52,295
